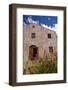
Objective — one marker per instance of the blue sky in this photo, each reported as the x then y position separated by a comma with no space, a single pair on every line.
50,21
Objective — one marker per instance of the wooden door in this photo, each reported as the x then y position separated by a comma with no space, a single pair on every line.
33,52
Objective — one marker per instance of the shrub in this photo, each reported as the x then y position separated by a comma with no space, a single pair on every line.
43,65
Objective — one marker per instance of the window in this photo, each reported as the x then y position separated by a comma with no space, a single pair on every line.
50,49
49,35
33,35
33,26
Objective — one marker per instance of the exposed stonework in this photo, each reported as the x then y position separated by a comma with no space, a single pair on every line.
41,40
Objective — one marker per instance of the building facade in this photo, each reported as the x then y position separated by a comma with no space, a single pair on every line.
38,42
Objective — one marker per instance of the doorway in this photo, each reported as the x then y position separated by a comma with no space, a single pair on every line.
33,52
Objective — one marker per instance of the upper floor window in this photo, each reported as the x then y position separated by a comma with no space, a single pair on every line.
33,35
33,26
49,35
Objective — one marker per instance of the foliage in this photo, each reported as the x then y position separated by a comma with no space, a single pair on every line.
47,64
43,67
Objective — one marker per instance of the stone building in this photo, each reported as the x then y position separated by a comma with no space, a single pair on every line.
38,41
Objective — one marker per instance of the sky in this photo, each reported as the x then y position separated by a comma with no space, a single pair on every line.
46,21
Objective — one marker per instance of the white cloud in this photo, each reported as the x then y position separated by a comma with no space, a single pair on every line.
45,26
56,28
30,20
25,23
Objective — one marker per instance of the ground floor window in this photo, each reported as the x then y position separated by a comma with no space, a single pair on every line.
50,49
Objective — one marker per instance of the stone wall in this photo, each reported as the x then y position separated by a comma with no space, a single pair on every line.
41,40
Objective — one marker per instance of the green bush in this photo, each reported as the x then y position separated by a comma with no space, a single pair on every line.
44,67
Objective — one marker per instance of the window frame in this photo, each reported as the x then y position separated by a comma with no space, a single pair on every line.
49,36
33,35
